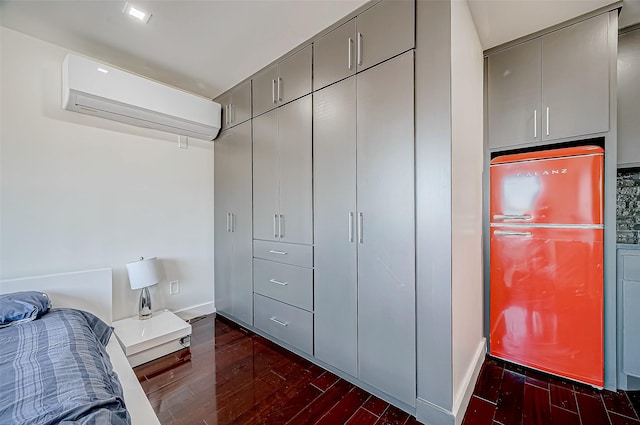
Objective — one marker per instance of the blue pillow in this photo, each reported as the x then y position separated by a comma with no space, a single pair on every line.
21,307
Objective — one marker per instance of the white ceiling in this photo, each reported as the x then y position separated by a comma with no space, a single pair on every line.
207,46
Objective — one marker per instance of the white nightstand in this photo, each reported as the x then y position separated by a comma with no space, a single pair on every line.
146,340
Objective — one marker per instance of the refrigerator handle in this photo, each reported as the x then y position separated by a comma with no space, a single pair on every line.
511,233
511,217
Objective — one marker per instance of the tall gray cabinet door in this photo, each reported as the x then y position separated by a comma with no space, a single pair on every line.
294,76
223,267
575,72
294,134
385,30
265,176
386,249
240,101
239,181
264,90
334,193
629,98
334,55
514,95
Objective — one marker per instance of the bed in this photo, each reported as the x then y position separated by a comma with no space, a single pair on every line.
88,291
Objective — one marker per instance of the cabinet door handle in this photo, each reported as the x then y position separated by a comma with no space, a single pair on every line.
273,91
359,49
231,113
350,46
277,282
360,227
547,120
350,226
233,222
511,233
281,225
535,123
275,225
228,225
279,89
281,323
278,252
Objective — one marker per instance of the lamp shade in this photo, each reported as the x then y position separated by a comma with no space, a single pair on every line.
143,273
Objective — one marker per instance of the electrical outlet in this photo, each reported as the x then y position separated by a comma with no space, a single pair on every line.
174,287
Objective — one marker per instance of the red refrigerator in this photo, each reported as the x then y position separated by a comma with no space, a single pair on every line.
546,288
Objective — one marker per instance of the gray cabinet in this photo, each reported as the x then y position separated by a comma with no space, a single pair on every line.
364,253
629,292
377,34
236,105
232,223
629,98
552,87
283,82
282,204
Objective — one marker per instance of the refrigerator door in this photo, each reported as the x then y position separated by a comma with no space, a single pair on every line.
560,187
547,300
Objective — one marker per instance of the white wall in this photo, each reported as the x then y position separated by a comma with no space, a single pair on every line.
466,201
79,192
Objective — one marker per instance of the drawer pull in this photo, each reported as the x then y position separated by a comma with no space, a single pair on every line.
273,319
277,252
277,282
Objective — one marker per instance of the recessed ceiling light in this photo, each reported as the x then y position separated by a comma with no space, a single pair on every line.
104,71
136,12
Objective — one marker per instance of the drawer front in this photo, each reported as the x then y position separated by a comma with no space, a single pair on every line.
284,322
630,328
283,282
631,267
288,253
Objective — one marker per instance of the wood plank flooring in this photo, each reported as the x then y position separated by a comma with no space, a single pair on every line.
232,376
506,394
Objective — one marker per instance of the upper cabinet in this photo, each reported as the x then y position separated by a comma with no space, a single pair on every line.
377,34
552,87
282,82
629,98
236,105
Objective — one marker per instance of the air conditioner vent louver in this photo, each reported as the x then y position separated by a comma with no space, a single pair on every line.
121,96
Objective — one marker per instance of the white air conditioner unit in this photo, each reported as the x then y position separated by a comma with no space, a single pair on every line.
94,88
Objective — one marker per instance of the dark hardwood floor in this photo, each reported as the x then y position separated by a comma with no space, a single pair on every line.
508,394
241,378
232,376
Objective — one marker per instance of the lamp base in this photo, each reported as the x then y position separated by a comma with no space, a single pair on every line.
144,306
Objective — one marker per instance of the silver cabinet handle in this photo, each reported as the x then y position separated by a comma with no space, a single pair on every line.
233,222
281,225
275,225
511,233
273,91
360,226
228,225
277,282
281,323
511,217
350,226
279,89
278,252
231,113
359,50
535,123
547,120
350,46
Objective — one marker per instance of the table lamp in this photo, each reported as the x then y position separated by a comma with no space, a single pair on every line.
142,274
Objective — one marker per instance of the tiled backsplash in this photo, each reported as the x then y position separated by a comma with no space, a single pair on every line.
628,206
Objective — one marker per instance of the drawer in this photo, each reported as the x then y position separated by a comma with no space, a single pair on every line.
284,282
289,324
289,253
631,267
630,328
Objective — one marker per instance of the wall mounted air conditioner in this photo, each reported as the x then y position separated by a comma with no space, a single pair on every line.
94,88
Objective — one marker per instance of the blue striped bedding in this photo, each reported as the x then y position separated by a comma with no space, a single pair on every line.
56,370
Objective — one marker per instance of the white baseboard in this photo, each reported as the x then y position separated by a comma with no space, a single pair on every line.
463,396
195,311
